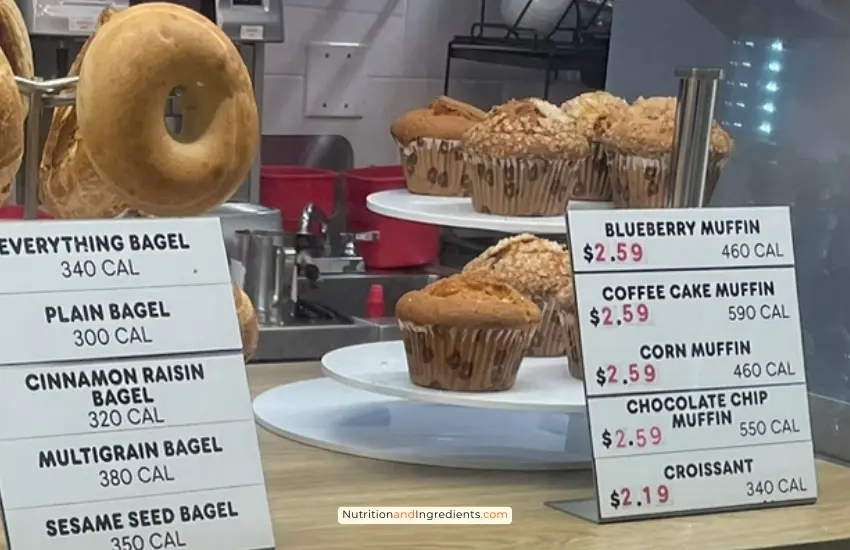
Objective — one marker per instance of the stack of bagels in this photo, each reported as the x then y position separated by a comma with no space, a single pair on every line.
111,152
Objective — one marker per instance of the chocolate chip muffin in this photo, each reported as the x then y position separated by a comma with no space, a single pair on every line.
466,333
594,113
539,269
639,148
428,140
522,158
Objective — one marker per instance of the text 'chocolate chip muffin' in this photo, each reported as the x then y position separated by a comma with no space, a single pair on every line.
429,141
521,159
539,269
466,333
639,148
594,113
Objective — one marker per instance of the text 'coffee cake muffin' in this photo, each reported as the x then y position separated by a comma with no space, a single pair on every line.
594,113
521,159
466,333
429,140
539,269
639,148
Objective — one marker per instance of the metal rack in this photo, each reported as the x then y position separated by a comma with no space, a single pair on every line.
43,94
581,47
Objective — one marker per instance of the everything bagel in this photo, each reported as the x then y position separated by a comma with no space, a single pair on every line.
131,66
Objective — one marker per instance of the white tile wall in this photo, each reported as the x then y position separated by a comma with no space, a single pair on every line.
405,66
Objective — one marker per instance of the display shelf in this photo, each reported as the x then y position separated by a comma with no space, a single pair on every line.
457,212
325,414
543,383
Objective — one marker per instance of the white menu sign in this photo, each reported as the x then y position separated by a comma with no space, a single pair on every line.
124,355
693,361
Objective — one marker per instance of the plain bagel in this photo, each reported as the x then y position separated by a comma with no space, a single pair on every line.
131,67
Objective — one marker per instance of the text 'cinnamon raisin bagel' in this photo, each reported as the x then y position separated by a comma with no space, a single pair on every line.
132,65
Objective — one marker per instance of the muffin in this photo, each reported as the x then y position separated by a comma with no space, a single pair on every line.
539,269
428,140
594,113
466,333
639,148
566,303
521,159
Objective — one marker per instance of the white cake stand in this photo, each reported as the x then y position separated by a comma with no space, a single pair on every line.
458,212
382,415
381,367
328,415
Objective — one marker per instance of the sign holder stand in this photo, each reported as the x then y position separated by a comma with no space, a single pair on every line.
694,118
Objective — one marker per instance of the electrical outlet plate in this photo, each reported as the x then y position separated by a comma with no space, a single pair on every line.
336,80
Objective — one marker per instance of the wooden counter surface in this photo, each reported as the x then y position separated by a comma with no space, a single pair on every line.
306,485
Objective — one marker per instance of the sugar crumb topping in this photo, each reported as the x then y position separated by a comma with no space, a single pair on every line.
536,267
526,127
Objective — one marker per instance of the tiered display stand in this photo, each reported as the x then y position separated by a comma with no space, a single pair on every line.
367,406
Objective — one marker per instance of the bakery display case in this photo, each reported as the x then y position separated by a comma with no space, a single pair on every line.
500,338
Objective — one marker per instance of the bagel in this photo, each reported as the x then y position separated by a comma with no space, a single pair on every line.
16,61
15,43
249,327
68,185
132,65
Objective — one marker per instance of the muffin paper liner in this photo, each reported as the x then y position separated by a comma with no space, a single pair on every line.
464,359
644,182
574,363
550,338
520,186
593,182
434,167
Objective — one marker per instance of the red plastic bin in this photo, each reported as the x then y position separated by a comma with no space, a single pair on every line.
14,212
289,188
400,243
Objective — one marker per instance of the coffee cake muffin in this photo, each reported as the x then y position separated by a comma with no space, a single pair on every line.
594,113
539,269
639,148
522,158
466,333
428,140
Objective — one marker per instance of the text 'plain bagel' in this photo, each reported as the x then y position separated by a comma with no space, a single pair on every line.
132,65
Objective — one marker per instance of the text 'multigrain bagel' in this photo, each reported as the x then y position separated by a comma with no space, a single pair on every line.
131,67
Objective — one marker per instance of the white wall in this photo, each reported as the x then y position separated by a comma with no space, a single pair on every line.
404,65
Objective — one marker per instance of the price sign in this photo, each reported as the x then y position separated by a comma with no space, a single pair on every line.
639,240
123,360
693,362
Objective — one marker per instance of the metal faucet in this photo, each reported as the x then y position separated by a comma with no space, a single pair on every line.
305,239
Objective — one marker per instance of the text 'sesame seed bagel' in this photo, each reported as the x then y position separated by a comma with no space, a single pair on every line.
131,67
